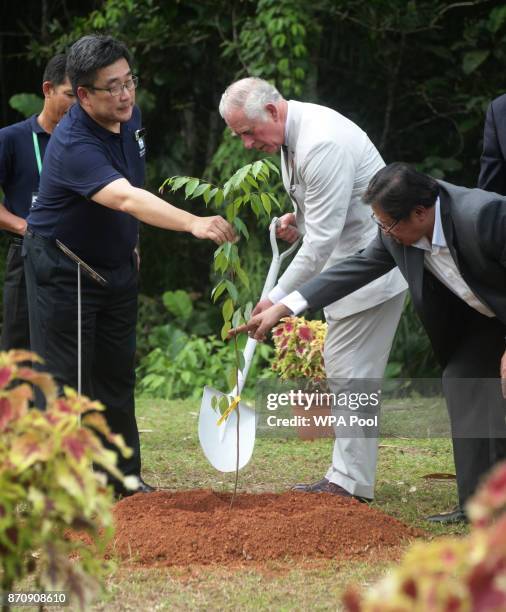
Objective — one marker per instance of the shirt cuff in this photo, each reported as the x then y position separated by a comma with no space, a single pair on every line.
296,302
276,295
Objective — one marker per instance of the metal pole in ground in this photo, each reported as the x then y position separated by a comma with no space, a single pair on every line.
79,332
101,281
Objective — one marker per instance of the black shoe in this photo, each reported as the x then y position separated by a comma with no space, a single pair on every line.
121,491
325,486
457,515
144,487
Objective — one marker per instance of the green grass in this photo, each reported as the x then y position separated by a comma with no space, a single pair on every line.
172,459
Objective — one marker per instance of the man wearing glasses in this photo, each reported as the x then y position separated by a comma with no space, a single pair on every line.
91,201
449,242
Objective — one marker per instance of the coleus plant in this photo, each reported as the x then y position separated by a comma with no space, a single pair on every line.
458,573
298,345
48,486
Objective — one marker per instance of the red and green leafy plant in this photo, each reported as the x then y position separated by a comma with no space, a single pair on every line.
457,574
48,488
298,345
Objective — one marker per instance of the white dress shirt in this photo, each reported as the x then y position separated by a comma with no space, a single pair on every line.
437,259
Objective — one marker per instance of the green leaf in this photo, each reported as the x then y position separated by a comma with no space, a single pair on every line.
232,377
240,359
266,201
27,104
201,190
227,249
271,165
252,182
209,195
237,319
223,403
497,18
257,166
225,329
229,212
191,185
473,60
227,310
220,263
232,290
238,223
284,66
227,187
218,290
240,175
274,199
256,204
178,182
166,182
279,41
243,277
218,198
178,303
247,311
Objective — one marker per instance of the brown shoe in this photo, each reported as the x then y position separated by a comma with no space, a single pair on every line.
325,486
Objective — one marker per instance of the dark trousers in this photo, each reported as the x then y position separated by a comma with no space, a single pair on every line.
473,395
15,327
109,316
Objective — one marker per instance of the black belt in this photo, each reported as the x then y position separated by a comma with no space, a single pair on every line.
15,239
31,234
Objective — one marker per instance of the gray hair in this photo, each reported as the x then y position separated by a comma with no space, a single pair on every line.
250,95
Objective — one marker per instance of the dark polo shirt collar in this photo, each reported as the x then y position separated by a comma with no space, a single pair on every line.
99,131
35,125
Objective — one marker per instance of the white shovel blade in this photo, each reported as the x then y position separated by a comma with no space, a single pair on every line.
219,442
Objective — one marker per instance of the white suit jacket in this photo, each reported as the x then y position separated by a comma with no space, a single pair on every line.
330,162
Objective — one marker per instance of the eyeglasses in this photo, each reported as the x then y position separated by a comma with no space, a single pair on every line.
386,229
116,89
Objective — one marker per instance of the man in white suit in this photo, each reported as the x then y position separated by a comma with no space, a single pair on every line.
327,163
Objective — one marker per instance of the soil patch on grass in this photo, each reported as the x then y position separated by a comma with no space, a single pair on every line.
197,527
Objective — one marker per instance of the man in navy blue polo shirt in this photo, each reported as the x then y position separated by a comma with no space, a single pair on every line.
22,147
90,199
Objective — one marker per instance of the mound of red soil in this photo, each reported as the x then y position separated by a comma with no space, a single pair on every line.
197,527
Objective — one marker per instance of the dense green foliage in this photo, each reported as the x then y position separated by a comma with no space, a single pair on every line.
416,75
183,355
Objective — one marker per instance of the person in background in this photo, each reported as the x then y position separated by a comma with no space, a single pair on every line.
493,159
22,149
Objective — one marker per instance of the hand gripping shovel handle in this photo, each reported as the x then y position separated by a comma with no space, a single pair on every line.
272,277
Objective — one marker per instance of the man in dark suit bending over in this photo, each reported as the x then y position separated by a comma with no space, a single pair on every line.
450,244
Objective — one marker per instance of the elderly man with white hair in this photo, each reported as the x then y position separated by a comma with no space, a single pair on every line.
327,162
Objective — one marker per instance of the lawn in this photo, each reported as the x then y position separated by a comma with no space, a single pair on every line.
172,459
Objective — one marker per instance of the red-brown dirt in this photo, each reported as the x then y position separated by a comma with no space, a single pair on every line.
197,527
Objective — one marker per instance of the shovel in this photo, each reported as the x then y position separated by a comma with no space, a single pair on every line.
219,442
